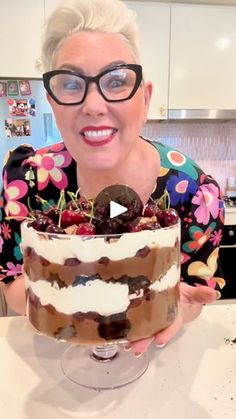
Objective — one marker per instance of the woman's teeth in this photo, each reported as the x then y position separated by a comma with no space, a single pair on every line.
98,133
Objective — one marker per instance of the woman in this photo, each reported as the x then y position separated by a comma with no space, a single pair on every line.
90,48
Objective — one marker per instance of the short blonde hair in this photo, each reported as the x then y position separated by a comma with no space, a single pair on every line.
71,16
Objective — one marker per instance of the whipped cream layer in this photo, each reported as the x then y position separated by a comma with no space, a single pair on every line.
104,298
56,249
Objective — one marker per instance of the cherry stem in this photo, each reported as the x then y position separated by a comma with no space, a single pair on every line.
73,198
61,205
29,206
91,215
41,200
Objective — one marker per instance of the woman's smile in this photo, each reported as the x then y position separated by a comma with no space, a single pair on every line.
97,136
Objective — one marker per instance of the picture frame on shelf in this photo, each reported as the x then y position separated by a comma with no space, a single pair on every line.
3,88
25,88
12,88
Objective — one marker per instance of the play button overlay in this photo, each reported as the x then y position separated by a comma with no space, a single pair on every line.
118,202
116,209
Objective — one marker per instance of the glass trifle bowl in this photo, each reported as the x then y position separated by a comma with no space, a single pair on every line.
99,293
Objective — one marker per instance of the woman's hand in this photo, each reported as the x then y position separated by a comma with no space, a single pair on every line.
15,295
192,300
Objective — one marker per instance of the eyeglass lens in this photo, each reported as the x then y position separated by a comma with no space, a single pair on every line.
116,84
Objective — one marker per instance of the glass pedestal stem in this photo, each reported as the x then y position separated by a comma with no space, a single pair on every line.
104,353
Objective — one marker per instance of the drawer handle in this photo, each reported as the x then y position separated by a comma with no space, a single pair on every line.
226,246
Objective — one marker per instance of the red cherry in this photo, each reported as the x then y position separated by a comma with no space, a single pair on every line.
84,203
171,217
80,217
160,214
52,228
85,229
132,226
41,223
70,217
149,211
53,213
72,205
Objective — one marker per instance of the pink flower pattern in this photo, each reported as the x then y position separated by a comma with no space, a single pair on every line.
13,269
6,231
49,167
13,192
216,237
1,241
207,199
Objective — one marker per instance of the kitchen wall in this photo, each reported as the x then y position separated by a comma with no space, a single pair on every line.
211,144
42,124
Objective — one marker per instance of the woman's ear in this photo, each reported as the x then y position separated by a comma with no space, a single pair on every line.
148,88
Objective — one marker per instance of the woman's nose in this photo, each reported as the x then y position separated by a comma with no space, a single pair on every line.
94,103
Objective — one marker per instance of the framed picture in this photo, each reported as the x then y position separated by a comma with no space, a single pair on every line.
25,89
3,88
18,107
12,88
17,127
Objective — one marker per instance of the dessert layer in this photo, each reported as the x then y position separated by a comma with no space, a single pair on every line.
56,249
148,316
150,263
96,295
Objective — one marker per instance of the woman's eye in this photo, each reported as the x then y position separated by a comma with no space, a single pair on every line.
116,83
71,85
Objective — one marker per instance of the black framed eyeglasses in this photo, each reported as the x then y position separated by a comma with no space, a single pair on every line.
116,84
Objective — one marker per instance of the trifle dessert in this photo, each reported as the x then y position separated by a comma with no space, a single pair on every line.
91,279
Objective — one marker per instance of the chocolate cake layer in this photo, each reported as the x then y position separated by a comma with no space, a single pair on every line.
151,263
150,315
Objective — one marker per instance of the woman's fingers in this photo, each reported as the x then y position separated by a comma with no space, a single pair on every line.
192,300
166,335
200,294
160,339
140,346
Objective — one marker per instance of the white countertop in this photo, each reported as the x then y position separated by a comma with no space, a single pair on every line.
192,377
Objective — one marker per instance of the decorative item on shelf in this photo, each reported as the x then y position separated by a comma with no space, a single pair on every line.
18,107
25,89
3,88
12,88
17,127
31,107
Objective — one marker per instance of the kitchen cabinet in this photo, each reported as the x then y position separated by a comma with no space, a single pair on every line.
50,5
20,37
202,57
154,26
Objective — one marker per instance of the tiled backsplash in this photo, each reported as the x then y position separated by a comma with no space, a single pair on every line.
212,145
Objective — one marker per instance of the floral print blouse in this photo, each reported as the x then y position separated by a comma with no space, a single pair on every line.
195,195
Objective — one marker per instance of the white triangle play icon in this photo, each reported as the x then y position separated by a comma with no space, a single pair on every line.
116,209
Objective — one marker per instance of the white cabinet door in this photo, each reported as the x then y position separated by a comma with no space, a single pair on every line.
20,37
203,57
154,27
50,6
